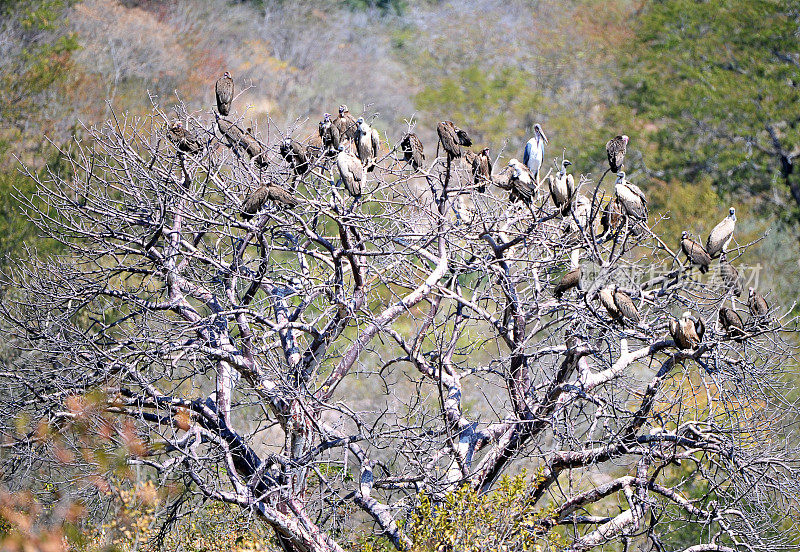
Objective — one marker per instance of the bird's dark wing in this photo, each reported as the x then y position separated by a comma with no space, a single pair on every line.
626,306
567,282
224,93
463,137
448,138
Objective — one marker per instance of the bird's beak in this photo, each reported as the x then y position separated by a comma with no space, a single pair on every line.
544,137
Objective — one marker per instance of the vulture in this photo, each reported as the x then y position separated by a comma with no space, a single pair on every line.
695,252
452,138
611,216
368,143
757,304
185,140
269,192
732,323
572,278
582,211
688,331
411,146
295,155
607,300
521,182
345,123
329,134
233,134
351,170
482,169
257,152
224,92
244,139
625,305
615,149
730,276
721,235
534,151
631,198
562,188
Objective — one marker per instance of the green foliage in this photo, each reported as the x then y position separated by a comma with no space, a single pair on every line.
468,521
44,61
720,82
484,100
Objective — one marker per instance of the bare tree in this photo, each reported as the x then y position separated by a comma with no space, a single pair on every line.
357,351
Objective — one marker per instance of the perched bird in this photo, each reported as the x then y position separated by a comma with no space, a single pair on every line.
572,278
345,124
185,140
582,211
756,302
351,171
257,152
612,215
615,149
631,198
368,143
329,134
224,93
688,331
481,169
607,300
721,235
730,276
534,151
732,323
269,192
232,133
294,154
695,252
411,146
625,305
452,138
562,188
521,182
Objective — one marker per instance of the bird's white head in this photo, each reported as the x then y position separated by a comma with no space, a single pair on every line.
342,110
227,75
341,147
751,291
620,176
684,234
287,142
360,122
732,213
686,315
625,139
537,131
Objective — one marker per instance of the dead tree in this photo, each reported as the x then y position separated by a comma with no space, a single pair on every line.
356,351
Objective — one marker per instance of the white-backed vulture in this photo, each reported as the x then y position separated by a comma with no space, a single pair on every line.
368,143
615,150
562,188
721,235
185,140
351,171
452,138
695,252
413,153
223,90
